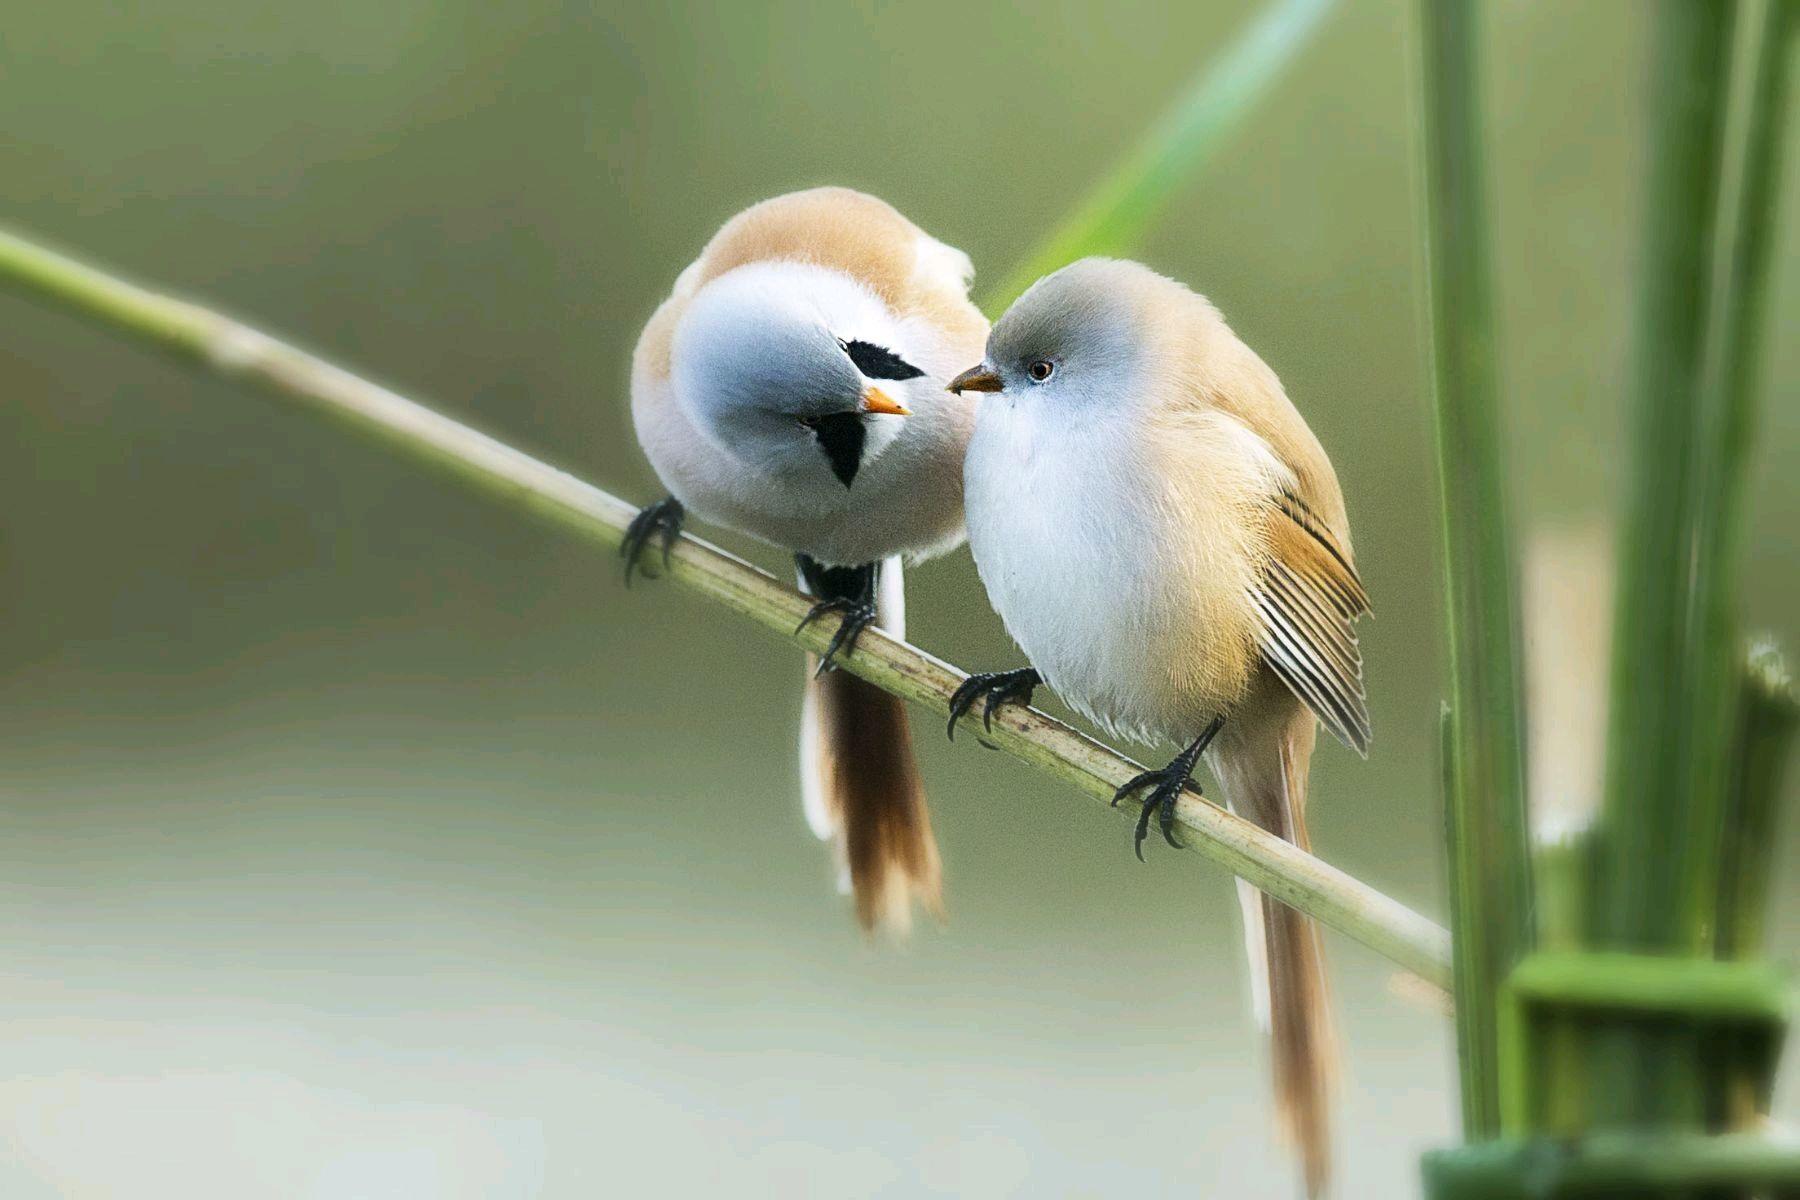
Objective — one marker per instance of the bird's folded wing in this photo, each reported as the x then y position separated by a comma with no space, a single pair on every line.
1308,597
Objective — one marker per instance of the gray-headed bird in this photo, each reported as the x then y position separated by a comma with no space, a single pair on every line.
792,388
1166,541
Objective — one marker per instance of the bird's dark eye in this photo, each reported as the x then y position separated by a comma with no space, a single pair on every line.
1040,370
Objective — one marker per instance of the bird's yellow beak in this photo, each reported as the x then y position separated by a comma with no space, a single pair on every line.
875,400
977,379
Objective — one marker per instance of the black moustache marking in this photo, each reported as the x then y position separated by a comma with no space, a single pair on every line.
878,362
841,438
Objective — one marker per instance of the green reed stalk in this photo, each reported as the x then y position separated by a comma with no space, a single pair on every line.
1676,651
1729,396
1489,845
1646,901
1112,217
1768,717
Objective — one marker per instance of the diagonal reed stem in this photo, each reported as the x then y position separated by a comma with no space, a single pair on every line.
234,349
1112,217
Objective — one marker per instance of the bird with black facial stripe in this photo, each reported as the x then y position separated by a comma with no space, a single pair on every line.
793,388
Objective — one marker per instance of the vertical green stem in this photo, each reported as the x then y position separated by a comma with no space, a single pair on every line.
1768,717
1648,821
1475,1074
1490,861
1675,651
1722,449
1768,714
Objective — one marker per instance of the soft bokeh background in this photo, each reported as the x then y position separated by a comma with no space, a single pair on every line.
363,838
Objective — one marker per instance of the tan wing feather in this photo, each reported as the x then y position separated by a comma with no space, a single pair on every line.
1309,595
1309,591
1306,593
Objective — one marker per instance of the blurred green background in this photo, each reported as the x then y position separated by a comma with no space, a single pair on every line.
362,838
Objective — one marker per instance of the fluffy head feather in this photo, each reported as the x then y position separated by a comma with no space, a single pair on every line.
832,264
1119,320
762,356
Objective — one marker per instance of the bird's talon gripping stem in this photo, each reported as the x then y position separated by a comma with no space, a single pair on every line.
999,687
661,520
857,615
1166,785
849,592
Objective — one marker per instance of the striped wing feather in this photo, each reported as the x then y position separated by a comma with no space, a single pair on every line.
1308,597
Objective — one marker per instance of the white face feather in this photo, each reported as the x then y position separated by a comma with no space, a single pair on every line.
761,348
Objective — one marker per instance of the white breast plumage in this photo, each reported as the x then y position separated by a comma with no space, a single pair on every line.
1064,565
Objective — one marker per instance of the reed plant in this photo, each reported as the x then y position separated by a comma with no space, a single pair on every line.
1634,1054
1616,1025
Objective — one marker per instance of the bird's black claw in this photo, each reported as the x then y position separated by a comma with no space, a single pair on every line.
998,687
1143,829
661,520
1166,817
1133,784
857,616
1166,786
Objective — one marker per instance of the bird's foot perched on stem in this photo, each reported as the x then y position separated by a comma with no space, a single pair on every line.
1166,785
999,687
661,520
847,591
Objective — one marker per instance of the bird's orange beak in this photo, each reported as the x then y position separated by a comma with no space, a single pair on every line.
877,401
977,379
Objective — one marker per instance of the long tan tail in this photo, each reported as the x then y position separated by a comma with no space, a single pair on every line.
1265,781
862,788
